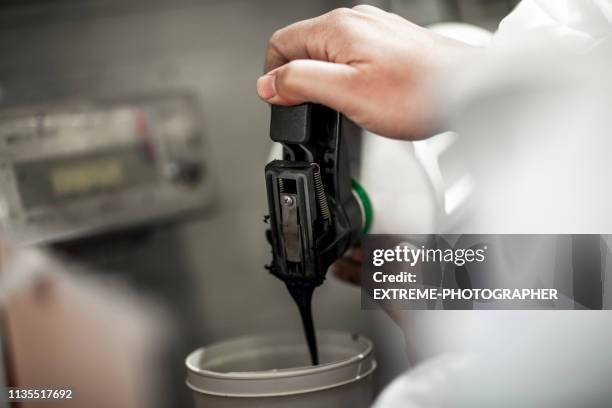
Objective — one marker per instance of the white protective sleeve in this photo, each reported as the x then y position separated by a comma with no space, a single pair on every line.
533,112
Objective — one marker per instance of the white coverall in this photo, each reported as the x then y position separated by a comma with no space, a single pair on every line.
534,114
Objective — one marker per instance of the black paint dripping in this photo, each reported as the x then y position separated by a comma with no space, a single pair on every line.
302,294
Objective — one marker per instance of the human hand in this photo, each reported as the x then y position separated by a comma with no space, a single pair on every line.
373,66
348,268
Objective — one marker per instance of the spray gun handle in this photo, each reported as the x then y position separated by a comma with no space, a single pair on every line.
314,217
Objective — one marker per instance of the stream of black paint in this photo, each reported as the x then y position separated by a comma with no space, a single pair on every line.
302,294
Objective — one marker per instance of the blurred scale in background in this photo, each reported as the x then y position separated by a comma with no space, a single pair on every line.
132,143
71,170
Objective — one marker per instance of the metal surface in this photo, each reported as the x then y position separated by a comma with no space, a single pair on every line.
321,196
291,228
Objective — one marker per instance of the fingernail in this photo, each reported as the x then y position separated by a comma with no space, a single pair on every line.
265,86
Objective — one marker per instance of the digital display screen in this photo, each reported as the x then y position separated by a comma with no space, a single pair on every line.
53,181
79,178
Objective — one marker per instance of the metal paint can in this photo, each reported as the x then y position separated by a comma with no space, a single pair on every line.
273,370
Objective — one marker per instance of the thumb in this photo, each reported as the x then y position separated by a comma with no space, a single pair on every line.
301,81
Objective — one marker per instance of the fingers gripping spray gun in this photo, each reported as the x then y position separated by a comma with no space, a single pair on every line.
314,216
